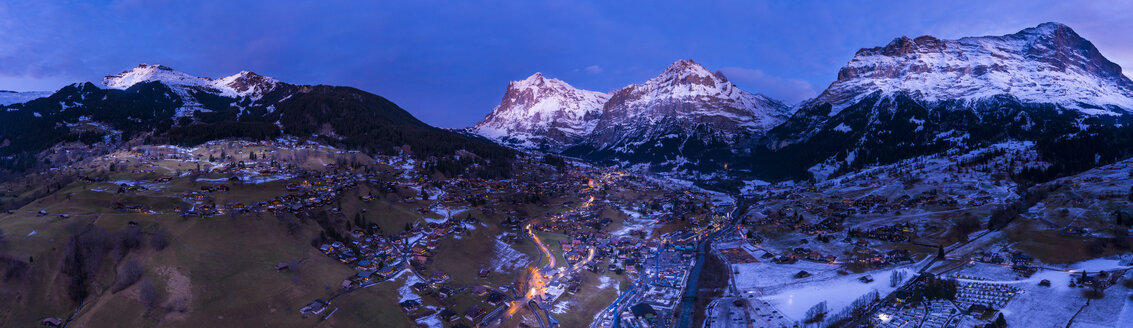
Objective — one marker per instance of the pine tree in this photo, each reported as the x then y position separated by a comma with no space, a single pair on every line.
1000,321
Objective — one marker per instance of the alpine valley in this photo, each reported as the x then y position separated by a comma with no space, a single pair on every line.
977,182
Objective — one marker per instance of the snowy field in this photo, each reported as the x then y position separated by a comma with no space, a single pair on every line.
793,297
1054,306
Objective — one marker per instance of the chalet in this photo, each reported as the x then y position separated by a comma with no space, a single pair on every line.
901,295
315,307
391,269
445,292
439,276
366,275
410,305
643,311
495,298
447,315
473,312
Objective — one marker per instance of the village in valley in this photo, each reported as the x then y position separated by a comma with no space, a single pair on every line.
551,246
566,244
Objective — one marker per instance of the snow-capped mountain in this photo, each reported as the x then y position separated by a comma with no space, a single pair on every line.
691,96
925,95
685,118
540,111
245,84
156,104
1049,63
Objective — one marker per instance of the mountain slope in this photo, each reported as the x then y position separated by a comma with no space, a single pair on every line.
925,95
685,118
539,112
160,105
1049,63
684,102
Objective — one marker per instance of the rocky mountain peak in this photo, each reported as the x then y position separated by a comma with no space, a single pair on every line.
247,83
1060,47
542,108
151,72
685,72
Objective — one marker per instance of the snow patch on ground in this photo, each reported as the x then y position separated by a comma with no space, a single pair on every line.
562,307
507,259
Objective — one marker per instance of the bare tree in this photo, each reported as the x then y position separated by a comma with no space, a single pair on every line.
128,274
130,238
159,239
147,294
179,304
896,278
816,313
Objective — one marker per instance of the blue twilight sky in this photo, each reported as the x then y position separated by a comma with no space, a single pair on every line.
449,62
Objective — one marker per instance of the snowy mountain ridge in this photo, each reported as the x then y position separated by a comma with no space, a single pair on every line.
240,85
1049,63
691,95
544,111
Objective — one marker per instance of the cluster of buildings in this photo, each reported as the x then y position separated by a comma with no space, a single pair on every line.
978,297
1020,262
934,314
655,298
